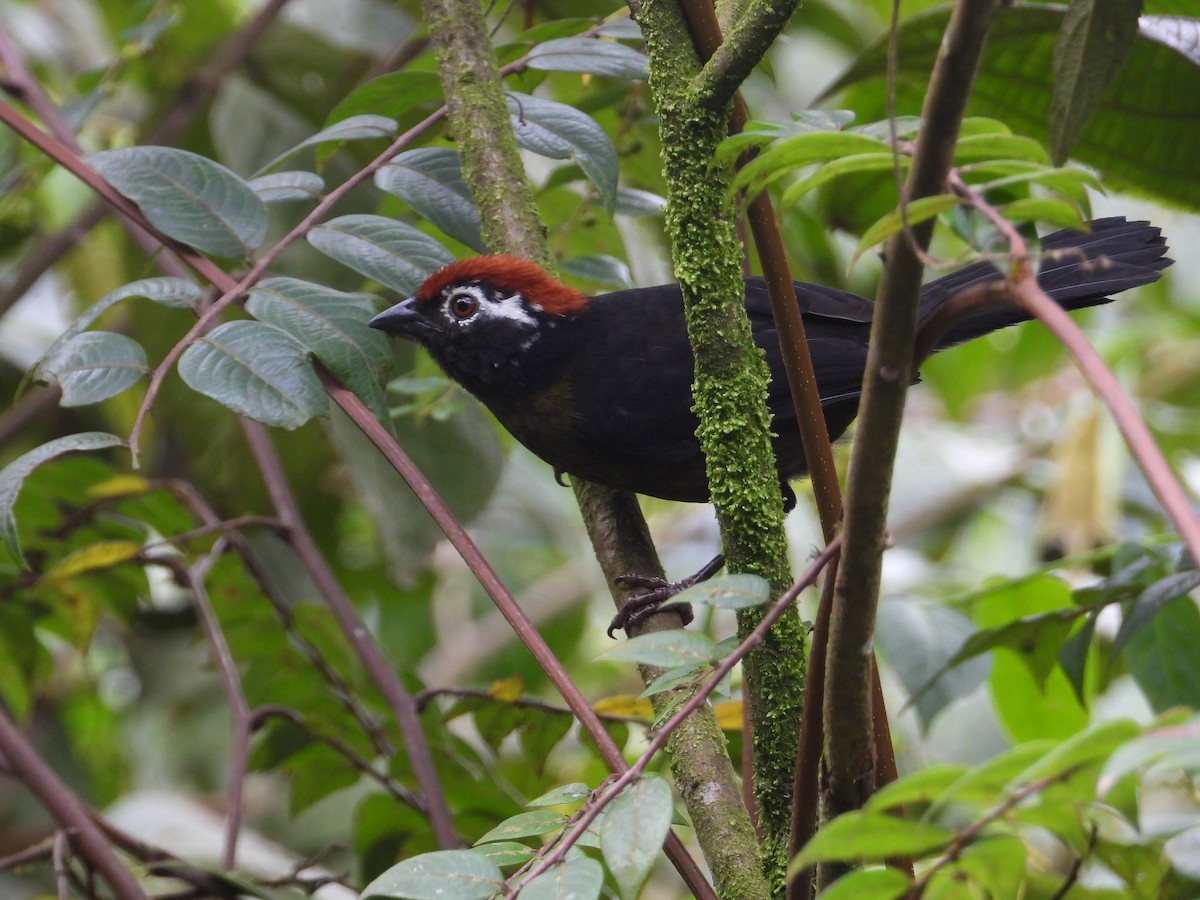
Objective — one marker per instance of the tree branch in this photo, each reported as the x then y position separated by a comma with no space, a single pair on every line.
848,708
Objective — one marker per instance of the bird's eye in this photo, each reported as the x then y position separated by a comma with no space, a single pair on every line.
463,305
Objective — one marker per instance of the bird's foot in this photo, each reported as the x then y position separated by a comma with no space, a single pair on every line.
656,592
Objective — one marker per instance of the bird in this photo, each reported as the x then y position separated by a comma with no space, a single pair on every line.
600,387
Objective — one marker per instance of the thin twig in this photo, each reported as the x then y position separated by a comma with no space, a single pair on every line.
67,810
398,698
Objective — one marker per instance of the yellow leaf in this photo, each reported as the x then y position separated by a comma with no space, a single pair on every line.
119,486
101,555
625,705
507,690
729,715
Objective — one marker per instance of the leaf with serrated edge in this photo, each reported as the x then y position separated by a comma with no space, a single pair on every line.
665,648
634,827
187,197
576,879
558,131
94,366
396,255
12,476
333,325
441,875
430,180
258,371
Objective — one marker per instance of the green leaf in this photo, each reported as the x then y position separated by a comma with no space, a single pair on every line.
868,884
739,591
1170,746
1096,39
93,366
634,202
506,853
1148,604
540,733
835,168
634,827
1162,656
443,875
365,127
430,180
919,787
590,56
917,211
258,371
558,131
665,648
567,793
1059,213
918,641
987,781
281,187
603,269
526,824
12,476
871,837
791,153
1090,745
577,879
187,197
396,255
333,325
1153,102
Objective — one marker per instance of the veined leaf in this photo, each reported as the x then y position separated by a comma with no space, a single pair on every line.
390,252
430,180
558,131
190,198
258,371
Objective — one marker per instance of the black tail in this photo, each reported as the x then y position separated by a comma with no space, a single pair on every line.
1078,269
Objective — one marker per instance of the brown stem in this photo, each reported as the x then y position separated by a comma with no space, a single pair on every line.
67,809
848,752
399,700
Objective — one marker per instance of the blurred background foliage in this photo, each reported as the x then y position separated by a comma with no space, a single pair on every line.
1013,493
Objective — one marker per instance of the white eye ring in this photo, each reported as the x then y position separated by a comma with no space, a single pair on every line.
462,305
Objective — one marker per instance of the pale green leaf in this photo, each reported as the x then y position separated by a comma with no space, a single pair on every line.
634,827
93,366
187,197
430,180
558,131
665,648
442,875
396,255
590,56
280,187
577,879
258,371
333,325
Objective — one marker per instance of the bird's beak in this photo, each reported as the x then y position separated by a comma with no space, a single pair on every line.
399,319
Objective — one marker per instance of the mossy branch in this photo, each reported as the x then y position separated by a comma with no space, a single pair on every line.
729,392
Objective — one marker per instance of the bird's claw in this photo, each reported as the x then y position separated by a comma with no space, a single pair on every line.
640,607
